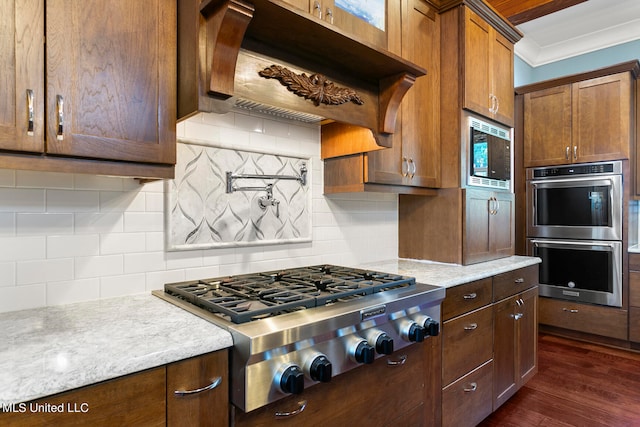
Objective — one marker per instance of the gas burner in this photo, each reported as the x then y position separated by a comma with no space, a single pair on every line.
248,297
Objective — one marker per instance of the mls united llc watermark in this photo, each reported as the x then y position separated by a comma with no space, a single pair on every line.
35,407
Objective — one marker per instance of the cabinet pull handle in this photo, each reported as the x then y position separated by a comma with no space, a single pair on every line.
317,9
472,295
329,16
401,361
411,167
494,206
572,310
471,387
519,280
566,153
471,327
405,167
517,316
60,108
29,112
497,106
575,152
216,382
301,407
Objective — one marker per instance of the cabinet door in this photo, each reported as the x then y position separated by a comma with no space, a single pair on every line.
22,77
477,63
602,119
502,79
528,336
414,159
547,127
111,79
502,227
206,408
515,344
489,232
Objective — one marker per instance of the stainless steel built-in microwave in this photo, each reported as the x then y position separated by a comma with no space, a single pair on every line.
488,154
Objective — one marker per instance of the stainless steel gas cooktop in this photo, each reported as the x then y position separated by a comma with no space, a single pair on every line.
296,327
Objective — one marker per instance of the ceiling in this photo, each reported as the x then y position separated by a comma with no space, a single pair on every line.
559,29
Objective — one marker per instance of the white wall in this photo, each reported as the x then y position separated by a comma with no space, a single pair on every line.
66,238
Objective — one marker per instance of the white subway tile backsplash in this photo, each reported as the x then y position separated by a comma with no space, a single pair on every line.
36,179
44,223
123,243
22,248
143,221
22,200
23,297
7,178
41,271
99,223
128,284
98,266
72,201
144,262
7,224
66,238
7,274
78,245
71,291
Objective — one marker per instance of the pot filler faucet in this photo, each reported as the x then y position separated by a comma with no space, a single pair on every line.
268,200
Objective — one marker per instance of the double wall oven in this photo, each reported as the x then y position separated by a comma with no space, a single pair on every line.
574,224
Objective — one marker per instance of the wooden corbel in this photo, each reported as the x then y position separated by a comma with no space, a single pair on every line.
227,24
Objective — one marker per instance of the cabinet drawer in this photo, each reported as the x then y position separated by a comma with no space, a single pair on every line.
468,401
464,298
467,342
592,319
513,282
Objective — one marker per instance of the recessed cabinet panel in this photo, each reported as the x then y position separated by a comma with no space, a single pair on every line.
110,83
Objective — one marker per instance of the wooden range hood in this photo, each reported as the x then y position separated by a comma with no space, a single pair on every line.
268,53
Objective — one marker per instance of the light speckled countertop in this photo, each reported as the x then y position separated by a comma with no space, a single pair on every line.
49,350
446,275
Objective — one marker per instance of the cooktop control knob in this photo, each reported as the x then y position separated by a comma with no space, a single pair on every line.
292,380
431,326
379,340
318,368
360,351
411,331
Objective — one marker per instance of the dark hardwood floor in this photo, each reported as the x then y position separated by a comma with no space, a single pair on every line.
578,384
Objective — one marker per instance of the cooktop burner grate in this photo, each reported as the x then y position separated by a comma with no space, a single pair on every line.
249,297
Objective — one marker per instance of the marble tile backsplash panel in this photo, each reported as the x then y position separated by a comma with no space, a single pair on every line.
201,214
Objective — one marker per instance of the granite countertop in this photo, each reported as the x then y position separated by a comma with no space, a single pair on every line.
447,275
634,249
53,349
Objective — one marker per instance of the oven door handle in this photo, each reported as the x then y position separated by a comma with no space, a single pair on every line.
565,243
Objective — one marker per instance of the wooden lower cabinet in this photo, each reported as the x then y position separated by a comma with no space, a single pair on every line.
515,343
405,394
144,398
489,344
133,400
607,322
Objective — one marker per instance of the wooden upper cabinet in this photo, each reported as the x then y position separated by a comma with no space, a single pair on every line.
374,32
111,82
602,120
22,78
586,121
488,70
547,126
